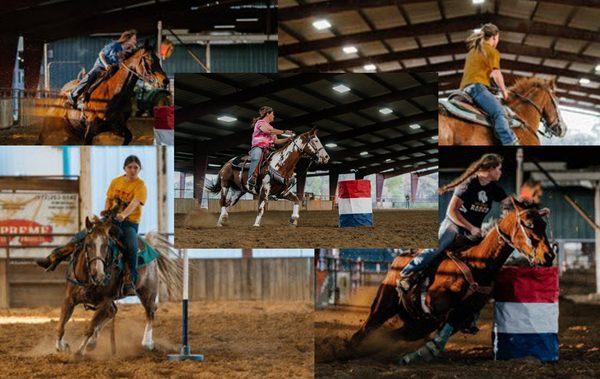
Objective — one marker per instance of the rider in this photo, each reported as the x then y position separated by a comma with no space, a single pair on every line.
474,192
108,60
130,190
264,136
481,63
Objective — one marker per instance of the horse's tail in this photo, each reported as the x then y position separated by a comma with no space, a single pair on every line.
215,187
170,267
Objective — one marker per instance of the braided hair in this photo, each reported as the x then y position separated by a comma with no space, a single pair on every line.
475,40
262,113
485,163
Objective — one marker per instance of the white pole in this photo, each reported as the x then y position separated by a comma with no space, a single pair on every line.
46,69
209,69
519,180
159,41
186,273
597,234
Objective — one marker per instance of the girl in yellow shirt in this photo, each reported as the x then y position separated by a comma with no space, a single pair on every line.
481,64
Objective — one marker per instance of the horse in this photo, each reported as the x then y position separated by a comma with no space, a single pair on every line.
108,107
94,279
447,297
277,174
533,101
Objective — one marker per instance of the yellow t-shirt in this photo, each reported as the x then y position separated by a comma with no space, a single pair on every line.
478,66
126,190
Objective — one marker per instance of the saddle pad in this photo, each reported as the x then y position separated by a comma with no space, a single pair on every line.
237,161
146,254
463,114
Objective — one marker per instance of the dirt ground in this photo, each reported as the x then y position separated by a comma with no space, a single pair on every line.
143,134
238,339
393,228
466,356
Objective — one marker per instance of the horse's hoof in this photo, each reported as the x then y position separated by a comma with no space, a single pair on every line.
293,222
63,348
78,356
149,346
256,225
219,225
91,346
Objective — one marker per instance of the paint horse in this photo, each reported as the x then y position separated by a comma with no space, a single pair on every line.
276,178
94,278
108,107
447,297
532,100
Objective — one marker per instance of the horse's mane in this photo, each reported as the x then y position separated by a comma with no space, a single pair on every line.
523,84
284,146
131,52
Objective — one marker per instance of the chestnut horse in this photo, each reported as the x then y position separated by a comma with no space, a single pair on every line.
108,108
532,99
459,286
276,179
95,280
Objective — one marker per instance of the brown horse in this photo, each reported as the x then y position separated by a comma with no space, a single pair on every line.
278,176
95,280
448,296
532,99
108,108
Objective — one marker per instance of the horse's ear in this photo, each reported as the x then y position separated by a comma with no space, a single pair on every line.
552,84
88,224
313,130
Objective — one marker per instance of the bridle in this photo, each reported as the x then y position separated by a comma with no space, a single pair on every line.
552,128
316,150
520,228
145,76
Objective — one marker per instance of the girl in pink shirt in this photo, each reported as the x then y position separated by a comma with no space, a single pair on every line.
264,136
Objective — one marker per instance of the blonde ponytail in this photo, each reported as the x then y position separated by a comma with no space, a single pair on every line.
475,40
486,162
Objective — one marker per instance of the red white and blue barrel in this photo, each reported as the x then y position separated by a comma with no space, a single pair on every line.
526,313
354,203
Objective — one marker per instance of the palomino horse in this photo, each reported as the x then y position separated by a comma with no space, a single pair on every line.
533,101
95,280
277,180
108,108
460,286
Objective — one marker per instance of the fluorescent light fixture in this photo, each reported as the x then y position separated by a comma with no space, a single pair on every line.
331,144
363,153
370,67
213,165
477,2
388,160
226,118
321,24
414,126
584,81
385,110
224,26
350,49
341,88
598,68
476,30
434,138
246,19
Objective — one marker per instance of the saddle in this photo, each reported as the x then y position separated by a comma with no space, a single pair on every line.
461,105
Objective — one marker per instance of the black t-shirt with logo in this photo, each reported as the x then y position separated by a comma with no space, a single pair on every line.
477,199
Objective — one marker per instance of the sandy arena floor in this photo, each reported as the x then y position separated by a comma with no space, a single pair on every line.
393,228
466,356
28,135
239,339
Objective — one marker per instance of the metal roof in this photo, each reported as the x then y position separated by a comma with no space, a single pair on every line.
349,124
549,38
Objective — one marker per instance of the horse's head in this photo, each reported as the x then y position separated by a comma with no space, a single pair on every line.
313,147
524,228
96,248
144,64
551,114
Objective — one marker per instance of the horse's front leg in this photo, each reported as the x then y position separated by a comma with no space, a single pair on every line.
65,315
263,198
431,349
104,313
295,212
223,202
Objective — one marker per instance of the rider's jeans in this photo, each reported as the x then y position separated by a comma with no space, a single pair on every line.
86,80
490,104
448,231
255,155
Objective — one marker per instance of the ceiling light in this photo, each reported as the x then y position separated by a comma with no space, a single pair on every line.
331,144
598,68
363,153
370,67
584,81
385,110
350,49
224,26
321,24
226,118
213,165
477,2
246,19
476,30
388,160
341,88
414,126
434,138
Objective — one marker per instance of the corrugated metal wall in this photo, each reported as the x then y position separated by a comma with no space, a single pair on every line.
83,51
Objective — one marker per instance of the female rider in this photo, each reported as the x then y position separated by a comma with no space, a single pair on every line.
130,190
474,192
481,63
264,136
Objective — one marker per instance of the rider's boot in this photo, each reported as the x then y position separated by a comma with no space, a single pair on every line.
128,285
251,184
56,256
72,100
407,281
